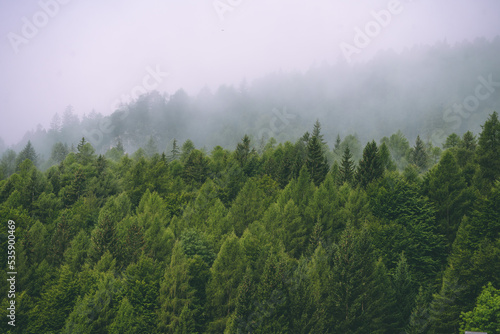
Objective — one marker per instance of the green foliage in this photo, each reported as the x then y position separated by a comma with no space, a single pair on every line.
418,155
261,241
370,166
29,153
486,314
346,168
488,152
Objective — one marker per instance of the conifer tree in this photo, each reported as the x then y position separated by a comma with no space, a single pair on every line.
316,161
347,167
488,152
175,293
370,167
151,148
360,285
418,155
227,272
385,158
29,153
337,142
174,153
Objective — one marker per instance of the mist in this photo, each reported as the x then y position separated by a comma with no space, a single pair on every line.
306,58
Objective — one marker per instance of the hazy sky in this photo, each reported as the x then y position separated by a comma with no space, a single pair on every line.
92,53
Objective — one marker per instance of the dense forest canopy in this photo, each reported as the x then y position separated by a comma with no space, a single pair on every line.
390,236
431,91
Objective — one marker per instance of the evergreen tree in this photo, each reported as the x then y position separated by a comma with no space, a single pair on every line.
385,158
175,151
151,148
361,289
346,167
488,152
316,162
445,186
196,168
8,163
453,140
186,149
222,290
85,152
337,142
370,167
468,141
418,155
404,294
176,294
486,313
59,152
29,153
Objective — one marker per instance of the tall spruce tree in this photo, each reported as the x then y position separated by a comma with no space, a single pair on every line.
29,153
347,167
316,161
488,153
418,155
370,167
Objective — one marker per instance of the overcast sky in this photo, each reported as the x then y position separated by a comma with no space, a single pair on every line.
90,54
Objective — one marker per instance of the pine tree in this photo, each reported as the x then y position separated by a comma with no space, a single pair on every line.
337,142
151,148
361,289
316,161
447,189
418,155
486,313
347,167
321,282
404,294
370,167
468,141
385,158
175,151
175,293
453,140
317,132
420,318
227,272
196,168
55,123
85,152
488,153
186,149
29,153
59,152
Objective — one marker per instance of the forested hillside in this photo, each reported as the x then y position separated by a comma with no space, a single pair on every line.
386,236
427,91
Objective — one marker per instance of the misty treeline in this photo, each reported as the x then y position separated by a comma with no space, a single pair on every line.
241,241
416,91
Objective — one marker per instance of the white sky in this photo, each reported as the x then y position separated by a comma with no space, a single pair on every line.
91,52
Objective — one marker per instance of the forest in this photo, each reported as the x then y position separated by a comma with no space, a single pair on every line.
388,236
415,91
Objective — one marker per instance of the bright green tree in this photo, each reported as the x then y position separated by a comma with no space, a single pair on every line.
486,314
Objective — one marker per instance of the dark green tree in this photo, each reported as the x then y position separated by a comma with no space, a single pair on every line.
370,166
316,161
488,152
29,153
418,155
174,153
453,140
385,158
346,167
